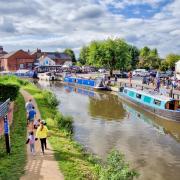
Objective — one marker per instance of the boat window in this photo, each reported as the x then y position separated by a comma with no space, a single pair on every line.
125,91
138,96
131,93
147,99
157,102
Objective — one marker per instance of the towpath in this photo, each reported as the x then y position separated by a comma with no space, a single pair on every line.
39,166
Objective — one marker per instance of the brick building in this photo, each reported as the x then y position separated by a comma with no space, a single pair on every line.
16,60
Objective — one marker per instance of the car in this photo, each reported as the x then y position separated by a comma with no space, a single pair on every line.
121,75
102,70
140,72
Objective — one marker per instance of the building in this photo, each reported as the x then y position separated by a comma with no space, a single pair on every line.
58,57
2,52
177,70
16,60
45,61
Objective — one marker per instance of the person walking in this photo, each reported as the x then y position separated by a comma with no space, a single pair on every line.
42,133
31,117
28,106
31,140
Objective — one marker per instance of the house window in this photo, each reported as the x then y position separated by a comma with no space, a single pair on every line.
157,102
29,64
131,93
138,96
125,91
21,66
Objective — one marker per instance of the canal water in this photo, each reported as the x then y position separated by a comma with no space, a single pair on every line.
103,122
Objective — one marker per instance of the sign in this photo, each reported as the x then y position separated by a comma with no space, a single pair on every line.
6,126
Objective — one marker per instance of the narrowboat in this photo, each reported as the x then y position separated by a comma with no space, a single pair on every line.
97,83
160,105
48,76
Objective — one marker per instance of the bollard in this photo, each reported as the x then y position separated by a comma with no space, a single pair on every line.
6,134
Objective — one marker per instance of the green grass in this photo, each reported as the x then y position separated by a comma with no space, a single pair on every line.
12,166
73,161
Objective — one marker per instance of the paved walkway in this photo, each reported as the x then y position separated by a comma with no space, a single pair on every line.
39,166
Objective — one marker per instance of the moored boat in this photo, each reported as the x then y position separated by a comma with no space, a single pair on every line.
86,83
48,76
160,105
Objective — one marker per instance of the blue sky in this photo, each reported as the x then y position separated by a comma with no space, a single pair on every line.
58,24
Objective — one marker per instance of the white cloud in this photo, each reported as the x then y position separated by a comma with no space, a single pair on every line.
54,24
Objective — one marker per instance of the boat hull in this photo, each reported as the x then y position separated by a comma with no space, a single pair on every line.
165,114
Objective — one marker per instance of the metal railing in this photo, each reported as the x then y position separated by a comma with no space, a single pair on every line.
4,108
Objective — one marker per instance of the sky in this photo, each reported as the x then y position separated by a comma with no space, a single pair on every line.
53,25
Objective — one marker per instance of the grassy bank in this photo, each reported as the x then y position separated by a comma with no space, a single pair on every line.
73,161
12,166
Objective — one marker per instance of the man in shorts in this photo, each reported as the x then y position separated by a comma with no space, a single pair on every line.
31,117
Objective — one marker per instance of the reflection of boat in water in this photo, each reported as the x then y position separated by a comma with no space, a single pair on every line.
101,104
165,127
86,83
80,91
157,104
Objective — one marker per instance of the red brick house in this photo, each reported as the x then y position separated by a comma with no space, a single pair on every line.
16,60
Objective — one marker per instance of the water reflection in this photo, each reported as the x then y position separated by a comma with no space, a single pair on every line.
145,140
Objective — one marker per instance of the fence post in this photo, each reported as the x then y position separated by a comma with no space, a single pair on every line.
6,134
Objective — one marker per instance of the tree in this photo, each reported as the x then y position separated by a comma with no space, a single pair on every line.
164,66
171,59
70,52
134,52
110,53
149,59
83,56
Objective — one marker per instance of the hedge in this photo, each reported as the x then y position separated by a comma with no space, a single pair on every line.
8,91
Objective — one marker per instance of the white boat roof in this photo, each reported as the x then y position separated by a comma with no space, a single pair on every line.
150,94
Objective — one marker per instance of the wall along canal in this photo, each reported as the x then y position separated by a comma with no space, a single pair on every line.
103,122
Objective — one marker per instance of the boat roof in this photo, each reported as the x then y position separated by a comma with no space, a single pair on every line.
152,94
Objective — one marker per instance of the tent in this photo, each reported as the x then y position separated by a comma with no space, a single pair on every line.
177,70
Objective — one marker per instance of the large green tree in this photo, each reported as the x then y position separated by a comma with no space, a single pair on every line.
171,59
149,59
71,53
134,52
83,56
111,53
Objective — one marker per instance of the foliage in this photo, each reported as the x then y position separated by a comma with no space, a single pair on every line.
171,59
134,53
8,91
149,59
116,168
64,122
50,98
12,166
164,66
70,52
83,56
111,53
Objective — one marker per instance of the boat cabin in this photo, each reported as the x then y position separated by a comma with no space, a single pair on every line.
153,100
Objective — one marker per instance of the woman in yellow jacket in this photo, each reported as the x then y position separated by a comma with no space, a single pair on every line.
42,133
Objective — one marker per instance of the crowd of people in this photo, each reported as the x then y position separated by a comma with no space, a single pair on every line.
37,128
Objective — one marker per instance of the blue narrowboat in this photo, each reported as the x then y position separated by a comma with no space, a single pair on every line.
86,83
160,105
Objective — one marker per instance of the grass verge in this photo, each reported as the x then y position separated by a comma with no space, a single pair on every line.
12,166
73,162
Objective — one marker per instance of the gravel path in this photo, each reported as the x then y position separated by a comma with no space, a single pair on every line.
39,166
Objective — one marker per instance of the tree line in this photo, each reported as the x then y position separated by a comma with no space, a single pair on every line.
118,54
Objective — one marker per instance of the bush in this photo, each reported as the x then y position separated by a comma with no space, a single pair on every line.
64,122
50,98
8,91
116,168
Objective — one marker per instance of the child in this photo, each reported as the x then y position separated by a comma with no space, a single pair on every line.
37,123
31,140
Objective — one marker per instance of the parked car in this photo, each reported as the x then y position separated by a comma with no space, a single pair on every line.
121,75
102,70
140,72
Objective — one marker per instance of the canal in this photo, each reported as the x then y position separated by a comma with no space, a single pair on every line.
103,122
